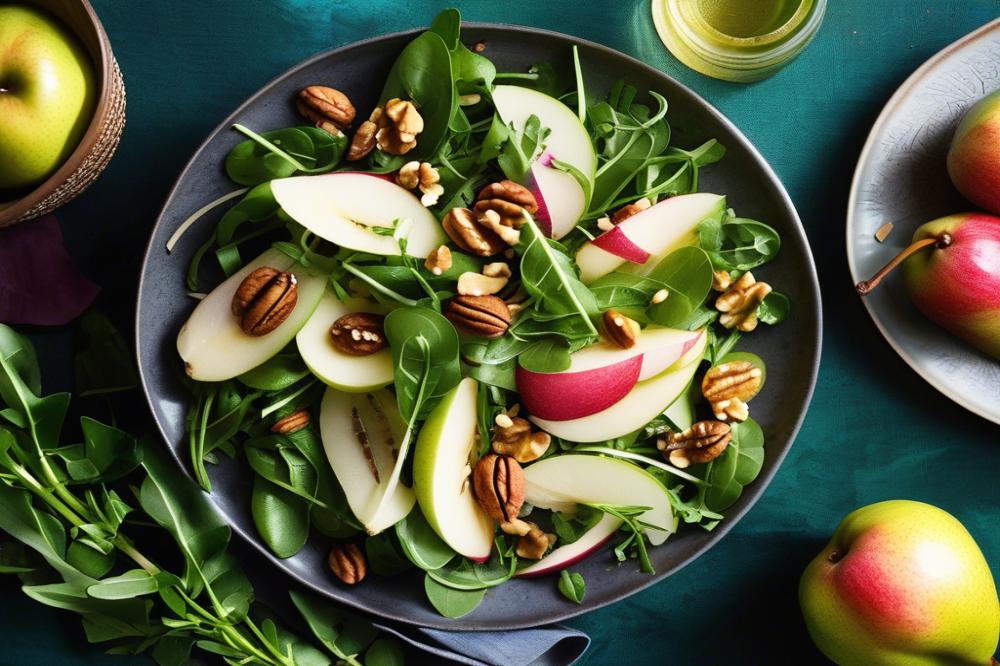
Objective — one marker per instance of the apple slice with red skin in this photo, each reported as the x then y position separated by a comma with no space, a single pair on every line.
647,398
563,556
642,240
562,200
600,375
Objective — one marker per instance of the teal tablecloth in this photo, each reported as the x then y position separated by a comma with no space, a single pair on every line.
874,432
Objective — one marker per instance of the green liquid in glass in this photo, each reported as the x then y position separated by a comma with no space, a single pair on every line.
747,18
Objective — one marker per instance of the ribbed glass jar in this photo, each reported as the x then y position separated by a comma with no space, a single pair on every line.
737,40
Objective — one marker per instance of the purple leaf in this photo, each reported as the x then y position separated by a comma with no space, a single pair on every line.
39,283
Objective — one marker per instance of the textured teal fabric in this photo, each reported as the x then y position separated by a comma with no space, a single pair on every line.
874,431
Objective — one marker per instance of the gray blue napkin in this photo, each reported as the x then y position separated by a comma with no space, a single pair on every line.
551,645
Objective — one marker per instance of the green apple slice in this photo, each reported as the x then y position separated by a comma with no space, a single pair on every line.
361,435
354,374
213,346
561,482
354,210
641,405
442,464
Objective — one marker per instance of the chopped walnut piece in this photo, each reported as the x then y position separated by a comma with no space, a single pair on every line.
514,437
739,303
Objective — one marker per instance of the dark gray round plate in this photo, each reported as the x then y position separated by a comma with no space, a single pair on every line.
901,179
791,350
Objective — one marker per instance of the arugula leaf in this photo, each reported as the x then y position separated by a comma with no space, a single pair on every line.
282,153
572,586
344,634
549,275
522,148
738,244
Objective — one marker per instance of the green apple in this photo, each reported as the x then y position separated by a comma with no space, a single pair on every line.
47,90
213,346
354,374
561,482
901,583
361,436
442,465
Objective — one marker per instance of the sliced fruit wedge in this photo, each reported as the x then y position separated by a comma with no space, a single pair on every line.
641,241
361,434
562,200
563,556
600,375
442,466
561,482
348,208
213,346
354,374
641,405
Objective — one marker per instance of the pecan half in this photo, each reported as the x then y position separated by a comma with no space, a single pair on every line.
621,330
329,108
729,386
740,301
347,563
292,423
534,544
264,300
359,333
461,226
514,437
702,442
363,141
498,483
487,316
509,200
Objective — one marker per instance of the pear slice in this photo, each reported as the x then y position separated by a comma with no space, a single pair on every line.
442,464
213,346
361,436
354,374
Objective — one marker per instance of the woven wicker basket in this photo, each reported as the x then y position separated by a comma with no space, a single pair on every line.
100,140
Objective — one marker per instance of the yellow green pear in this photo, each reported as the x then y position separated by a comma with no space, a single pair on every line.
901,583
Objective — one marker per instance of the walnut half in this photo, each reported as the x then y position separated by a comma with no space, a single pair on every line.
514,437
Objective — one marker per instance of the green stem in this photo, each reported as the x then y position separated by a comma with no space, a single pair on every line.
385,291
516,76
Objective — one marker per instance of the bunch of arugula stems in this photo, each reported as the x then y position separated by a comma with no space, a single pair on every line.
294,489
109,529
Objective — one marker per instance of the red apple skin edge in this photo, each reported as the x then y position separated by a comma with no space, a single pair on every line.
974,160
617,243
952,273
564,396
571,561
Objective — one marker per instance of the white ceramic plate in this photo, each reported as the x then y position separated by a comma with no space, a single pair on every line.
901,178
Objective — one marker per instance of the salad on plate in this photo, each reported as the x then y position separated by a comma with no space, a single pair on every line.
493,328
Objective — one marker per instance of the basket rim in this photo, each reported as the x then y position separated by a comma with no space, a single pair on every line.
105,70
